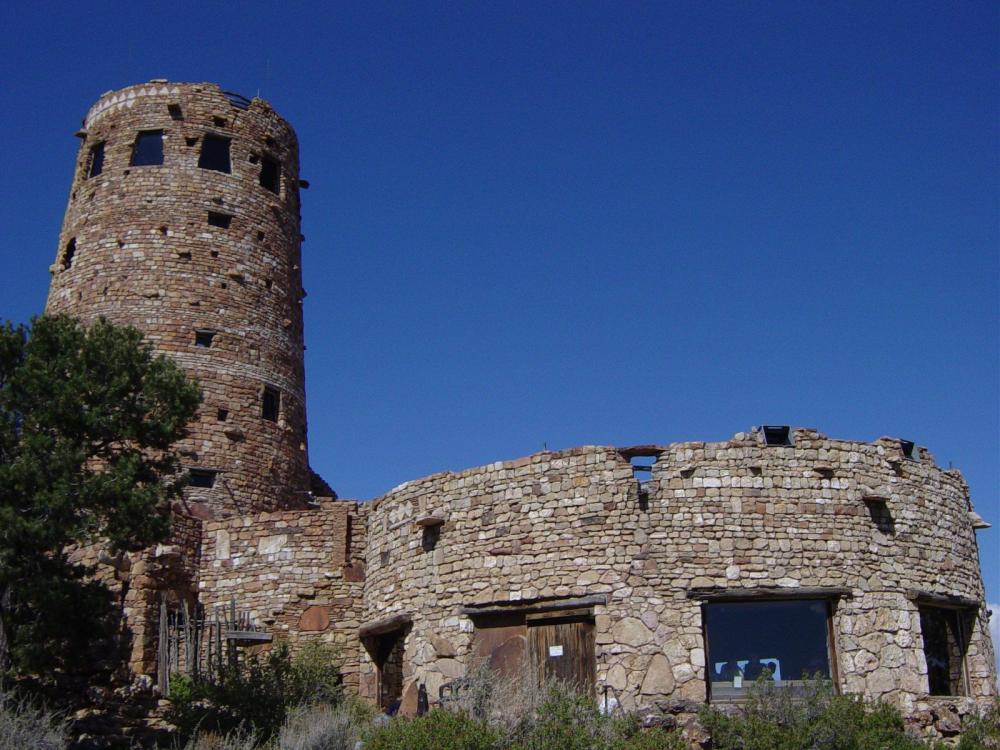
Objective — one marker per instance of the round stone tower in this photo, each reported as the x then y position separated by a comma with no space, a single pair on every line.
183,221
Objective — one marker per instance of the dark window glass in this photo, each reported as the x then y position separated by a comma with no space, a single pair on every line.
944,648
96,165
270,174
203,338
201,478
215,153
788,639
271,403
216,219
148,148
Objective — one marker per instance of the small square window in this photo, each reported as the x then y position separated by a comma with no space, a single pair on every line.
909,450
222,415
270,174
777,434
203,338
95,163
148,148
270,403
204,478
216,219
215,153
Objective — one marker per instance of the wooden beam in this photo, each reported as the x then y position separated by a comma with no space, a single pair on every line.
385,625
520,607
942,600
722,593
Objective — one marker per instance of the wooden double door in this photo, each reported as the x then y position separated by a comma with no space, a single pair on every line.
554,645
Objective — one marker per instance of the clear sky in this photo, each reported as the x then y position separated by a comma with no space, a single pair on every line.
551,224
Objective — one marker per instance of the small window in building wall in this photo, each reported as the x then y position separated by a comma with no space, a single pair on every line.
148,148
215,153
270,174
216,219
776,434
203,337
222,415
68,253
909,450
945,633
748,640
270,403
204,478
95,163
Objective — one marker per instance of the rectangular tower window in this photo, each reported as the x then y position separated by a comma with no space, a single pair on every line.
204,478
945,643
215,153
270,403
747,640
68,253
777,435
203,338
215,219
148,148
270,174
96,162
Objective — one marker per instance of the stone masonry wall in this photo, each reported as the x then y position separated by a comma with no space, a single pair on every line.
718,516
299,573
137,247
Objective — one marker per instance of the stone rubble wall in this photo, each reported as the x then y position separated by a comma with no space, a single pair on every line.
146,256
298,573
732,515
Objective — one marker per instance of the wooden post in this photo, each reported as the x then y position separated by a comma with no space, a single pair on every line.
163,651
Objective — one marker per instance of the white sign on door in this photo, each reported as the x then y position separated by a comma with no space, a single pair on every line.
555,650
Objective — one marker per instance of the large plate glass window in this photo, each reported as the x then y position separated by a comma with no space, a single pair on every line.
784,641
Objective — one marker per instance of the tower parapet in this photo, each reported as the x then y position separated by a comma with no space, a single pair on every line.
183,221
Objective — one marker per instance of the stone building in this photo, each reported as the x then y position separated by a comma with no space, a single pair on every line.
656,576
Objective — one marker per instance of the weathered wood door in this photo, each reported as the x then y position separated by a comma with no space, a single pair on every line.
563,648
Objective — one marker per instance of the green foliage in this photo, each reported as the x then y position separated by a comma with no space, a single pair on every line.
24,725
257,693
87,418
566,720
440,729
776,718
320,727
982,732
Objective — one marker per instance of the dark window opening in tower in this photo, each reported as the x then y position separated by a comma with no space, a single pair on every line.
270,403
96,164
945,633
270,174
203,338
148,149
175,112
68,253
215,219
777,434
222,415
215,154
201,478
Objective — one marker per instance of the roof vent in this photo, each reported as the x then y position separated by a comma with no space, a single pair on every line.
776,434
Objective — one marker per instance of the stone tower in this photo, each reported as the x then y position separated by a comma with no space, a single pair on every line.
183,221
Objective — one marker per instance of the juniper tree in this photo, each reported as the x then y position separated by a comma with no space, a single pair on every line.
88,417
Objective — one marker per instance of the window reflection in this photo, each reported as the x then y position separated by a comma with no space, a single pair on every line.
787,640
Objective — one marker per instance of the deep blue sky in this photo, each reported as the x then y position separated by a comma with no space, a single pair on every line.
551,224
